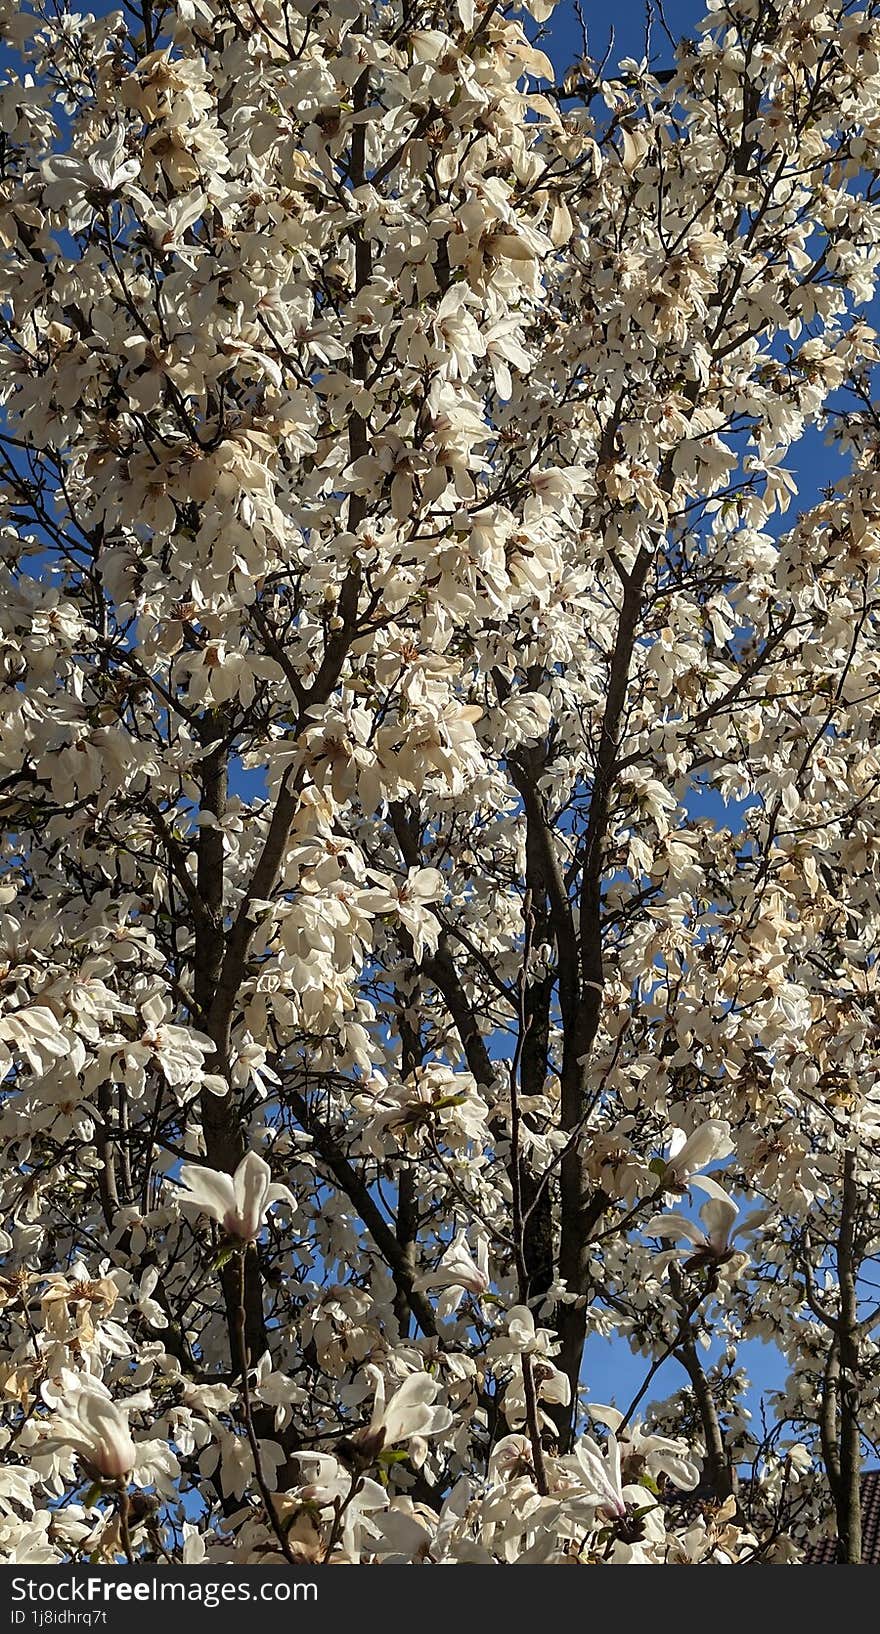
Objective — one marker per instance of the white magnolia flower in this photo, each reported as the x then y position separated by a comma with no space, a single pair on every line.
511,1459
411,1410
90,1422
237,1202
714,1244
551,1386
327,1486
798,1461
642,1452
602,1475
105,168
688,1153
458,1272
522,1335
411,1415
408,901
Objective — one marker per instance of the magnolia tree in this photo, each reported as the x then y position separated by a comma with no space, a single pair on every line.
440,782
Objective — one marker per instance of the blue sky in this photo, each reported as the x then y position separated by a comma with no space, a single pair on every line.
624,24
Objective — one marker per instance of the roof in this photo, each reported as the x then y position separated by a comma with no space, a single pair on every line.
824,1553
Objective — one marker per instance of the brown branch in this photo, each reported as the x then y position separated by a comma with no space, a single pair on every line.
358,1194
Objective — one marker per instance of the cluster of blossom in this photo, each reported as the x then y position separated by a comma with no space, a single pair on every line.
439,780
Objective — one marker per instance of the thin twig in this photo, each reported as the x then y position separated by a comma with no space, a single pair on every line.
529,1392
339,1515
124,1528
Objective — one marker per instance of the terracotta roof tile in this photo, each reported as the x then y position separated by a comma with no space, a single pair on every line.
824,1552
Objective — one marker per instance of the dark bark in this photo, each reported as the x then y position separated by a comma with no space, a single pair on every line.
719,1476
225,1141
581,1206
